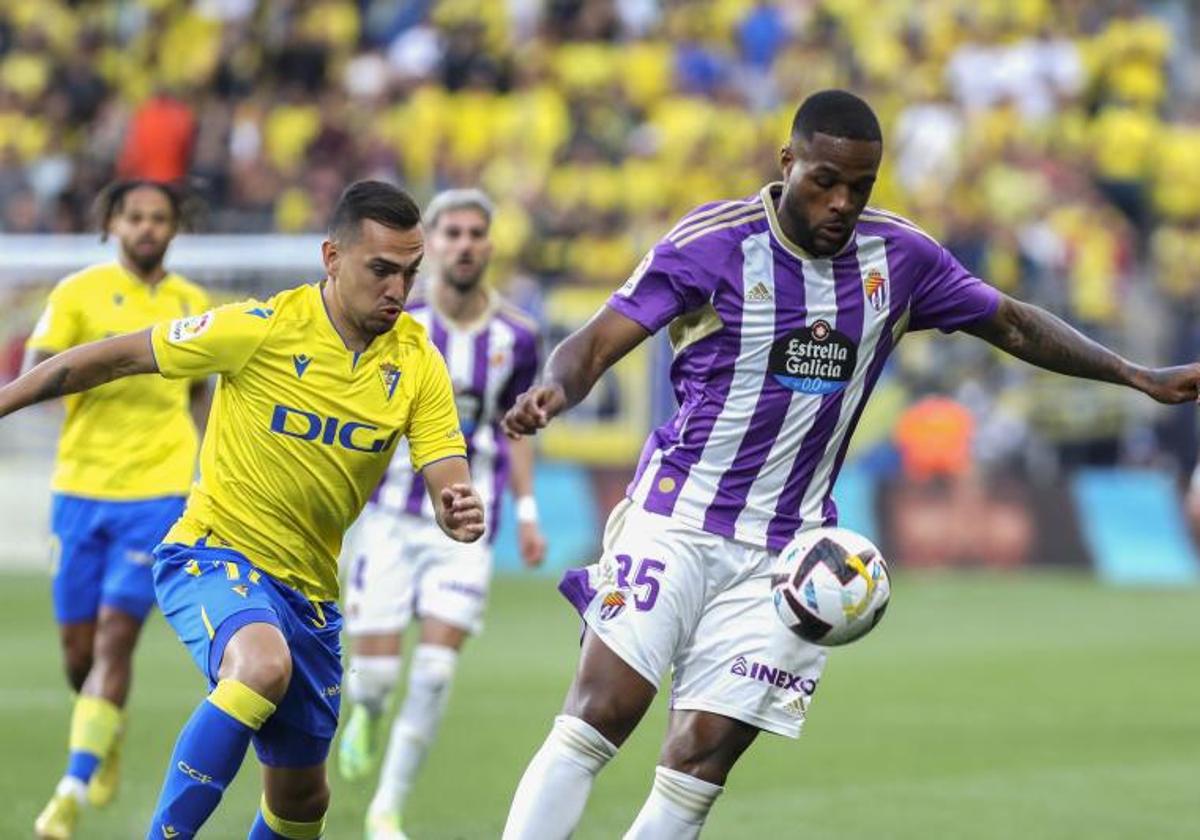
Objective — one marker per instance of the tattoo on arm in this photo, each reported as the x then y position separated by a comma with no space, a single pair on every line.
55,386
1043,339
79,369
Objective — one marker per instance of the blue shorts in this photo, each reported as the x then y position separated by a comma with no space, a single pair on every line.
208,594
104,553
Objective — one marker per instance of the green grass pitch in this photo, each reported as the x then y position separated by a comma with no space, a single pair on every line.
985,706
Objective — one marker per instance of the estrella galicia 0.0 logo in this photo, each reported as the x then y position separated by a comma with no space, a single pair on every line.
816,359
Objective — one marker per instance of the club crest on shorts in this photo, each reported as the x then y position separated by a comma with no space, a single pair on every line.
389,375
612,605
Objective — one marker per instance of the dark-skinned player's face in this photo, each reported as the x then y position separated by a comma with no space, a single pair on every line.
144,225
826,183
373,272
460,247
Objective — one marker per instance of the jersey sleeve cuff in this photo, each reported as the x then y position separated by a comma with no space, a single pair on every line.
640,315
442,456
44,346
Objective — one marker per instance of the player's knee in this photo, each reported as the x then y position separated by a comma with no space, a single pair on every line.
269,675
258,657
314,804
78,664
77,659
704,748
115,641
703,761
607,711
433,667
303,802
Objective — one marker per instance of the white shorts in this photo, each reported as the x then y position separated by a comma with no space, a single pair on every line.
666,594
403,565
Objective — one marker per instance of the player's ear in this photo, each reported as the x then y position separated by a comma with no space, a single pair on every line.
787,159
331,257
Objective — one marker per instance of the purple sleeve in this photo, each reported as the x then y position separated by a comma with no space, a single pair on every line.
663,286
949,297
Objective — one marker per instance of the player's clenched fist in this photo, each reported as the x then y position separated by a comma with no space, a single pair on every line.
534,410
1170,385
462,513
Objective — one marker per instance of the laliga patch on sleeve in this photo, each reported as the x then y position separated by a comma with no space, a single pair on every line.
185,329
631,284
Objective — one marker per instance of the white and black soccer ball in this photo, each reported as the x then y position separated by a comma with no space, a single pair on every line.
833,586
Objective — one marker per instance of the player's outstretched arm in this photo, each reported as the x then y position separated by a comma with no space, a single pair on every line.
573,368
459,508
79,369
1036,336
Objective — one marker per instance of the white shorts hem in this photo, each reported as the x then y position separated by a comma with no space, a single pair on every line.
375,628
473,628
694,704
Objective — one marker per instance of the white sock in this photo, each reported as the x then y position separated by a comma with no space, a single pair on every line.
429,679
371,679
676,809
550,798
69,785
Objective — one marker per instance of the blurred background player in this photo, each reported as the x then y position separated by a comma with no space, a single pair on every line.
782,310
316,386
402,562
126,457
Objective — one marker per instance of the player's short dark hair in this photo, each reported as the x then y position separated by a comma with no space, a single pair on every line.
837,113
186,207
375,200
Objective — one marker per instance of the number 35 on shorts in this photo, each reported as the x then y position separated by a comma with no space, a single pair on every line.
641,579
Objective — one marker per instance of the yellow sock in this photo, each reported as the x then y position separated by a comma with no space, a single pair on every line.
242,703
287,828
95,723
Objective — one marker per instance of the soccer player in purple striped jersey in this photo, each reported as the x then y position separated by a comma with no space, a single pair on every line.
400,561
782,309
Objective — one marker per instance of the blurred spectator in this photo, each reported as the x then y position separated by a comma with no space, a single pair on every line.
1047,144
159,144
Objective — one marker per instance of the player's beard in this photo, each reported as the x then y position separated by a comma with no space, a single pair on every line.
464,282
146,261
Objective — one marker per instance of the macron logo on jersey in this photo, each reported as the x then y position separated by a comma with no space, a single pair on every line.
300,360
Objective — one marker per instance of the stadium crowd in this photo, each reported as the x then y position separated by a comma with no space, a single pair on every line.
1054,146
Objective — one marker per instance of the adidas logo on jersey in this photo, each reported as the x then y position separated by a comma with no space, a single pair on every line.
759,293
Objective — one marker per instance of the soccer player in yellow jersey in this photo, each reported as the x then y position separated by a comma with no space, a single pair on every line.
126,457
315,387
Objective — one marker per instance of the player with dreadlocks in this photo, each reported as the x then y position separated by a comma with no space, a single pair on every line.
126,457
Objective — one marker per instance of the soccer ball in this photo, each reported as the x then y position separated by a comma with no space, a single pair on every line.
834,586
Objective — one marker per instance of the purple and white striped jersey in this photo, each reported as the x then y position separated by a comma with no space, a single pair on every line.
491,362
776,352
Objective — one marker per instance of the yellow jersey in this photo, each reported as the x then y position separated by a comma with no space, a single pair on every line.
301,429
132,438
